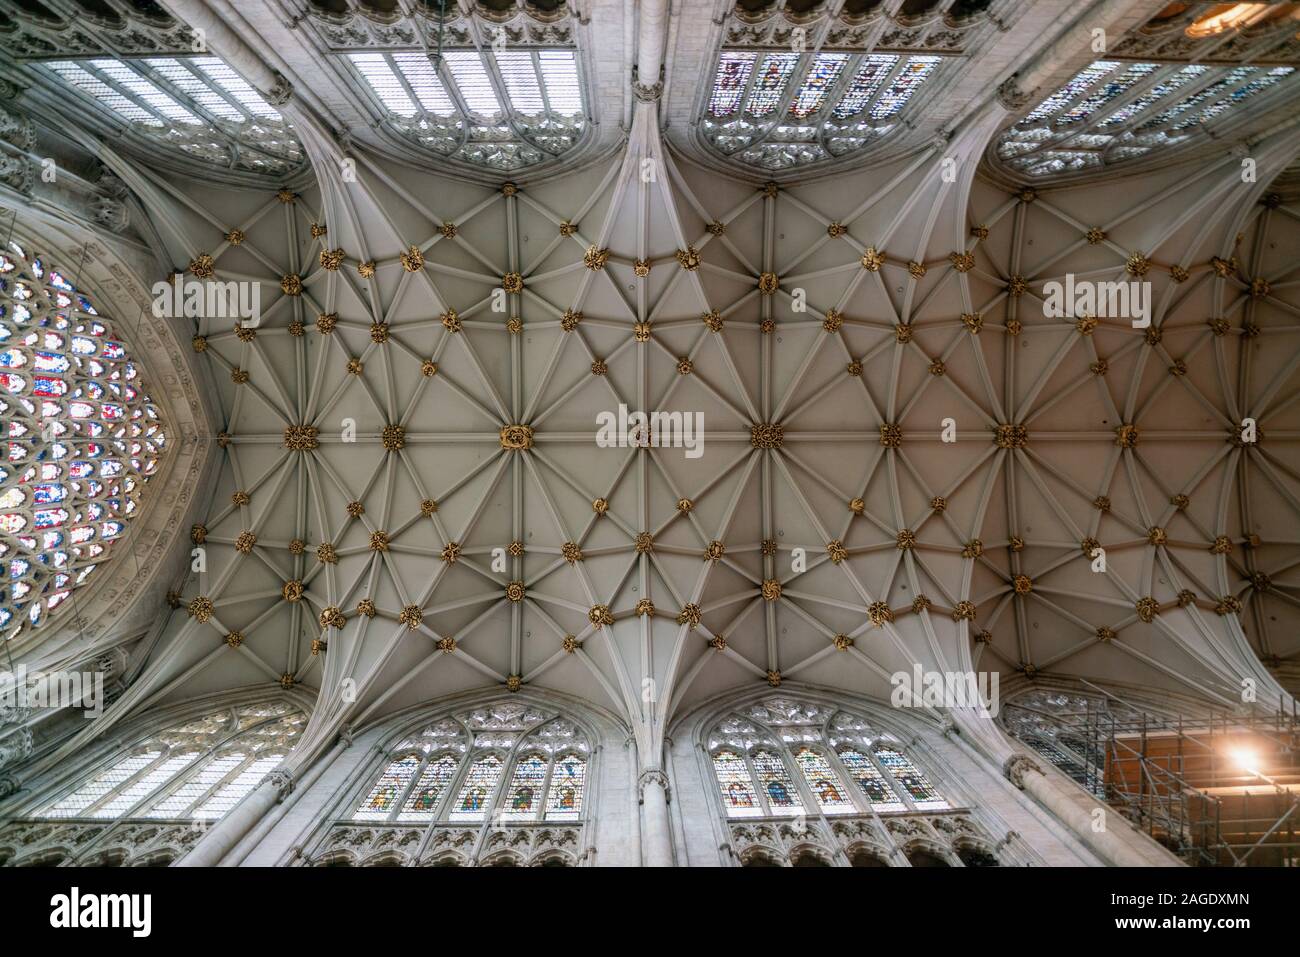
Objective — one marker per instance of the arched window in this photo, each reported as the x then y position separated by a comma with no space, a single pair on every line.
778,110
1113,111
504,763
197,770
781,757
83,437
1070,729
196,105
501,109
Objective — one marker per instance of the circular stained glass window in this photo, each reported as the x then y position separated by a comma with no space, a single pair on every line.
82,438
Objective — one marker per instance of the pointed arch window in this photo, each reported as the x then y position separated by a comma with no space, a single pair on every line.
500,764
779,110
197,770
83,437
1114,111
501,109
784,757
197,105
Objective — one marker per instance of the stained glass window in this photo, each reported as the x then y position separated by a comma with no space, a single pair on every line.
736,785
826,69
1113,111
869,780
506,109
825,786
916,784
194,771
905,83
198,105
524,765
729,85
780,110
383,797
435,777
844,764
526,788
83,437
568,780
774,779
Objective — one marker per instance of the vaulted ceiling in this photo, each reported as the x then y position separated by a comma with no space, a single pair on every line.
407,498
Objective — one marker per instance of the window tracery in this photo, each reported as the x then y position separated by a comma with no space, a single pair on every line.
1114,111
781,758
83,437
503,109
196,105
196,770
1063,727
500,763
777,110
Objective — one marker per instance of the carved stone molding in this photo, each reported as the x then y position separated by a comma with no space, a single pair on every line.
1017,766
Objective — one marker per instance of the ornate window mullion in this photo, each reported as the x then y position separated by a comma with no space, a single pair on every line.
855,793
112,84
888,775
781,114
400,800
508,114
545,796
1092,125
759,791
885,83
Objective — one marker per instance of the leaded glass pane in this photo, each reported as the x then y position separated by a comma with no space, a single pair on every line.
736,785
775,781
476,793
102,784
83,437
208,777
568,778
729,83
870,781
388,789
822,781
143,786
825,70
770,83
234,791
197,105
916,784
524,795
435,777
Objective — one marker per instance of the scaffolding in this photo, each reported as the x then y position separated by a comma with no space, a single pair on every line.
1176,779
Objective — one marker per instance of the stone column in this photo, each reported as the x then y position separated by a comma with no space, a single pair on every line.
213,847
1119,843
656,836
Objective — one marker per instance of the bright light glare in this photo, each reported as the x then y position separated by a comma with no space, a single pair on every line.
1246,759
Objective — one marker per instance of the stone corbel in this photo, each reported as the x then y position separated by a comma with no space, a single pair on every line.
1011,96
